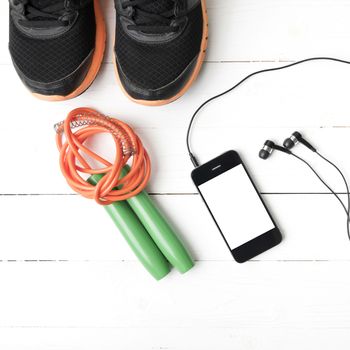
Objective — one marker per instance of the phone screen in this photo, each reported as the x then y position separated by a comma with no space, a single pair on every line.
236,206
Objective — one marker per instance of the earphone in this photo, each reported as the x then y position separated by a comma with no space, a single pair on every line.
269,147
288,144
296,138
291,142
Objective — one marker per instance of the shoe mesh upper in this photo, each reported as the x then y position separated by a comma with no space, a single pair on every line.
49,60
158,6
151,66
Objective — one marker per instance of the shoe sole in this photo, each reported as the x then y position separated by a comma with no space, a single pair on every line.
100,45
200,60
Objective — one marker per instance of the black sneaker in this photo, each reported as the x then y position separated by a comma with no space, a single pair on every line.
56,46
159,47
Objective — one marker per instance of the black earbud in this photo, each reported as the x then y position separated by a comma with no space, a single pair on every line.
295,139
269,147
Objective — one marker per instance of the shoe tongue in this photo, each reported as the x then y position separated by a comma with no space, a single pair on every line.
158,6
40,4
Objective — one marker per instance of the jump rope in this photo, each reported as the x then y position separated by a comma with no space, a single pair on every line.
270,146
119,187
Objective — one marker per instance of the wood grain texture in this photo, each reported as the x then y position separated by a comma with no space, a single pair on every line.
69,281
283,103
173,338
72,228
251,306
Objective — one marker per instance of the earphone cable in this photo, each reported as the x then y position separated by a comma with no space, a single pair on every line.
195,114
346,185
190,125
329,188
341,174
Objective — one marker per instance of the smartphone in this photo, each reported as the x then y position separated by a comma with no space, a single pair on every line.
236,206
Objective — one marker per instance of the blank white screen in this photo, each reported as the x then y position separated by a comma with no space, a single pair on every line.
236,207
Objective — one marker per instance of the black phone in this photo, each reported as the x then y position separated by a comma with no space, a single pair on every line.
236,206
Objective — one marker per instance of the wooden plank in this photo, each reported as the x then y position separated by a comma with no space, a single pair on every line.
34,169
206,338
56,228
244,299
283,103
243,30
314,94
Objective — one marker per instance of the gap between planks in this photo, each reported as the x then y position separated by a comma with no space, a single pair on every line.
123,261
165,194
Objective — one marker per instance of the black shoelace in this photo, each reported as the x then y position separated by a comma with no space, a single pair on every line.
160,22
52,15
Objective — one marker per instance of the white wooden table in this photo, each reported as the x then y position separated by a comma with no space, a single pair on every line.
69,281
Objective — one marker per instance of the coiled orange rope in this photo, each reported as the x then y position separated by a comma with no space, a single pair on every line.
129,148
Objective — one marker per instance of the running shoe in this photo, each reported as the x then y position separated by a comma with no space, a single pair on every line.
56,46
159,47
